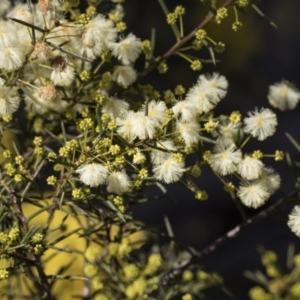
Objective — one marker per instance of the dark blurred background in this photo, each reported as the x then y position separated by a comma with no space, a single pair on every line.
255,57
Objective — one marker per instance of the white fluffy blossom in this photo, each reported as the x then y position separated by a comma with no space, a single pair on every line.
9,100
8,34
21,12
63,78
25,40
253,194
184,110
230,131
127,50
143,127
45,97
11,58
156,111
250,168
65,34
294,220
169,170
4,7
201,99
98,33
159,156
115,107
62,74
283,95
189,131
118,182
95,30
41,51
261,124
217,84
124,75
44,6
207,92
270,179
225,157
91,50
124,124
92,174
133,125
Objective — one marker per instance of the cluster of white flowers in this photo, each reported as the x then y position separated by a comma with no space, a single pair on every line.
202,97
95,174
257,181
107,135
261,124
254,193
227,158
54,57
53,65
283,95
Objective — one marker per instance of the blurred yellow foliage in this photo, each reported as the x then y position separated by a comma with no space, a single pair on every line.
75,261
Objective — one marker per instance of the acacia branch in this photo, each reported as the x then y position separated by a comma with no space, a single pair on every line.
227,237
182,41
40,282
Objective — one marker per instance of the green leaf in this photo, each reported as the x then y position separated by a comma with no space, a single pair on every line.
169,227
64,236
263,15
68,277
166,11
67,52
293,141
257,277
3,213
288,159
212,54
209,6
63,131
156,147
290,256
16,247
113,208
28,25
165,192
58,249
60,225
153,39
32,230
99,121
120,138
146,107
207,140
36,213
161,187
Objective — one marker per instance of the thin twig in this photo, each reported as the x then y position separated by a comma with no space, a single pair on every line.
226,237
181,42
41,283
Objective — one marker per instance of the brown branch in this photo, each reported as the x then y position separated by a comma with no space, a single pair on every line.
41,283
19,210
227,237
181,42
